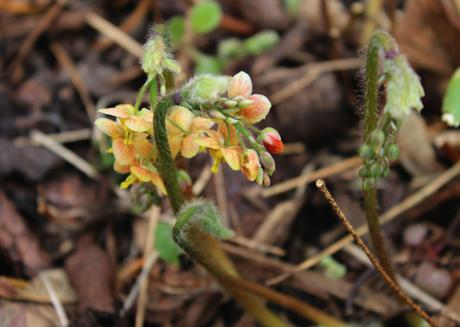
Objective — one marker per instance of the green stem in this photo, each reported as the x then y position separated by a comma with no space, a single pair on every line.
190,234
141,94
379,41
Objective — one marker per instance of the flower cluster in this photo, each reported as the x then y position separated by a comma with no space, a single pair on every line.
216,114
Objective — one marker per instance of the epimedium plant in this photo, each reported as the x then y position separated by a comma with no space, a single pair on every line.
386,67
212,114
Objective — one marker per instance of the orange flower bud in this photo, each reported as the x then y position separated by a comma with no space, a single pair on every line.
257,109
271,139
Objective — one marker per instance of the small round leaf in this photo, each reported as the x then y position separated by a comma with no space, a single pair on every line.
205,16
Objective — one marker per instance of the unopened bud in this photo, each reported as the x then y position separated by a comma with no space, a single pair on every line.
271,140
216,114
377,138
230,104
267,162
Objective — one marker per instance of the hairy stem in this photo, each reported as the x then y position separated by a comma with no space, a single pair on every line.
379,41
166,164
205,249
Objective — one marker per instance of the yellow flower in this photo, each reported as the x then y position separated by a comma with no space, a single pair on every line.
126,145
223,146
144,174
140,121
183,128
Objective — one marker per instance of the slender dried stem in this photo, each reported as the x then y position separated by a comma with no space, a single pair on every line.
321,185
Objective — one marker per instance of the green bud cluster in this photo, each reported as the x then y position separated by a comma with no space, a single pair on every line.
378,151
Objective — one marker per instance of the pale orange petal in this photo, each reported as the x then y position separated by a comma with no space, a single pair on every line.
138,125
142,145
201,123
158,182
143,174
175,142
250,164
232,157
123,153
120,168
182,117
189,147
257,110
207,142
224,130
240,85
109,127
120,111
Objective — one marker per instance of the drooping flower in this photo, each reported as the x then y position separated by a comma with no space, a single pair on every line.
250,164
254,107
271,140
146,174
140,121
223,146
126,145
183,128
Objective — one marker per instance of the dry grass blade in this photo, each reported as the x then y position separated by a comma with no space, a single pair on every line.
321,185
69,156
63,320
68,65
115,34
303,179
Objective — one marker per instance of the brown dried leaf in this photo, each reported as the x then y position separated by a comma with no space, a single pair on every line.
92,275
17,241
427,34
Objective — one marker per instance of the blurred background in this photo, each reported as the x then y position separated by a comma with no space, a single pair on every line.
67,229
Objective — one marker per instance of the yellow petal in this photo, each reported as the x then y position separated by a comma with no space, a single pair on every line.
232,156
123,153
182,117
189,147
240,85
120,111
109,127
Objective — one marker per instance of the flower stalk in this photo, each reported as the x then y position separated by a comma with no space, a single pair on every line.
385,65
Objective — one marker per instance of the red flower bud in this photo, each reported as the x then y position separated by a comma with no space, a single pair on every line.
271,139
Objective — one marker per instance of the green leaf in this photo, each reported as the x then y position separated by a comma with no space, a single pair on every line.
167,249
261,42
231,48
205,16
451,103
176,29
208,65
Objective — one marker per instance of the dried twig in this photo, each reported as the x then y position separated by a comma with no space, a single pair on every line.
321,185
69,67
148,249
389,215
314,71
303,179
43,24
63,320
